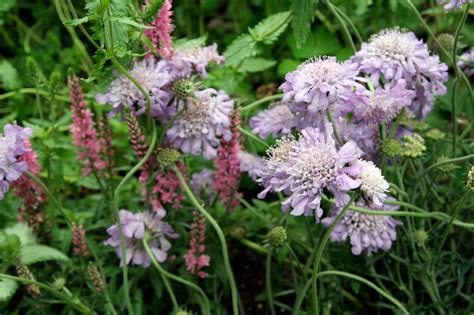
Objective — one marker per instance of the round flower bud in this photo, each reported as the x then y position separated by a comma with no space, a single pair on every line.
182,312
277,236
434,134
420,237
59,283
168,156
391,147
238,232
447,41
413,146
183,88
445,168
470,179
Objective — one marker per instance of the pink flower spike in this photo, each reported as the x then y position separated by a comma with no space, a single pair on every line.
160,36
195,258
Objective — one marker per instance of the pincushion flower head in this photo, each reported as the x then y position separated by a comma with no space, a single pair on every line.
137,226
196,60
395,54
153,77
278,120
453,4
13,143
364,231
205,119
318,83
466,62
251,164
373,186
312,164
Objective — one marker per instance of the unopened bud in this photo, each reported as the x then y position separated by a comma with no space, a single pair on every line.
447,41
445,168
168,156
420,237
277,236
183,88
470,179
391,147
413,146
434,134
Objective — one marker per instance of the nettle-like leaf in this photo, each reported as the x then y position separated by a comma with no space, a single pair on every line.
242,47
33,253
9,76
24,233
303,16
256,64
76,22
7,289
270,28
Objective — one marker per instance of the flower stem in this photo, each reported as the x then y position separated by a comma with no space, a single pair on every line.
268,282
455,160
252,136
220,234
261,101
62,98
319,253
344,27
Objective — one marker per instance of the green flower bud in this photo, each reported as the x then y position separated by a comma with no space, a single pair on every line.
413,146
391,147
184,88
168,156
59,283
420,237
445,168
447,41
470,179
238,232
277,236
182,312
434,134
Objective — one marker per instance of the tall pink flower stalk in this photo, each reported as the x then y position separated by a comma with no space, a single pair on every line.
227,163
79,240
29,192
83,129
195,258
160,36
168,187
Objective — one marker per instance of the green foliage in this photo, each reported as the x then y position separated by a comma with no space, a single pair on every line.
9,76
7,289
34,253
303,17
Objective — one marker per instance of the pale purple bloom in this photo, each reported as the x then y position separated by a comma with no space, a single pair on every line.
277,120
12,146
373,185
202,180
365,231
135,226
453,4
392,55
252,164
365,135
382,105
307,166
466,62
205,119
197,59
153,77
319,83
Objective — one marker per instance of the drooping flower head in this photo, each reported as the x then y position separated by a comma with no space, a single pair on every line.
135,226
278,120
160,35
12,146
466,62
453,4
319,83
251,164
205,119
153,76
312,164
394,54
364,231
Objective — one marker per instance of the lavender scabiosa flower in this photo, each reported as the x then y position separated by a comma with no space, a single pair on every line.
383,104
278,120
373,186
365,135
196,59
365,231
135,227
466,62
453,4
202,180
13,144
312,164
204,120
395,54
153,77
251,164
318,83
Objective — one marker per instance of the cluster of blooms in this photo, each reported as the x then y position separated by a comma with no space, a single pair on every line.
195,257
453,4
13,144
83,130
136,227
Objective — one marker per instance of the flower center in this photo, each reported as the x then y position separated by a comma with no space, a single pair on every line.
393,44
322,70
195,119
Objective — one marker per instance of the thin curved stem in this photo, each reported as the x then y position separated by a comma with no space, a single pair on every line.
220,234
162,276
455,160
319,253
73,301
341,21
261,101
349,21
62,98
115,206
268,282
252,136
368,283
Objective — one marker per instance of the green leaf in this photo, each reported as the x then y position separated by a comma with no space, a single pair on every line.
34,253
287,65
319,42
6,5
9,76
242,47
361,7
7,289
130,22
256,64
268,30
303,16
76,22
24,233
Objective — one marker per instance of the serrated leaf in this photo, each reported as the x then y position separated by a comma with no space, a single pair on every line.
24,233
7,289
9,76
242,47
255,64
76,22
130,22
268,30
319,42
30,254
303,16
361,7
